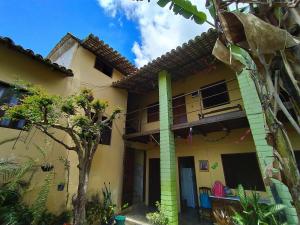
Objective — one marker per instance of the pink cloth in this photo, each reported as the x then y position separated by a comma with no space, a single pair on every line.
218,189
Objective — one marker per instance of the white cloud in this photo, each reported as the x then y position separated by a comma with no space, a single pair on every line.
160,29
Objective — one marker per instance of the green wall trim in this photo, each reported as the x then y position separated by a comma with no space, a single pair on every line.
258,126
167,150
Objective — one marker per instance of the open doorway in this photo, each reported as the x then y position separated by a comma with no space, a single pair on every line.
187,181
134,177
154,181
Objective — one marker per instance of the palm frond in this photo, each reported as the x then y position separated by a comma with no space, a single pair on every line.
39,205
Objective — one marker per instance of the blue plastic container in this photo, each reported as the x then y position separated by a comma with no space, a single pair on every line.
120,220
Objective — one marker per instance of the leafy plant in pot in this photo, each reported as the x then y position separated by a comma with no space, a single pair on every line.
61,186
108,207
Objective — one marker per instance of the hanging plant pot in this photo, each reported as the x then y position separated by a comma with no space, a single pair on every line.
61,187
47,167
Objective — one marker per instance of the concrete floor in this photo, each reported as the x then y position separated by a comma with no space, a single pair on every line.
137,216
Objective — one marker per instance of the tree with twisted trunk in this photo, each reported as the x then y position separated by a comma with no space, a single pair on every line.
80,117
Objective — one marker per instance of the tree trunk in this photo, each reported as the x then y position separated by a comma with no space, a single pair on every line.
289,167
80,201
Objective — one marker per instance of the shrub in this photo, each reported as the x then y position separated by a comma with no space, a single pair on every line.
254,212
158,217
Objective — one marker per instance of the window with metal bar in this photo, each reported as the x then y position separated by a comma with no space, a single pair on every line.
153,112
9,96
215,94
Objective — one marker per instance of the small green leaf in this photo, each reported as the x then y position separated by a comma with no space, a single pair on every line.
186,9
163,3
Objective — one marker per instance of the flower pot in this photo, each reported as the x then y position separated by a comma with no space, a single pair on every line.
60,187
120,220
47,167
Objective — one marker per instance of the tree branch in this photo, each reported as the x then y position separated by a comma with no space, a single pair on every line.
44,130
70,132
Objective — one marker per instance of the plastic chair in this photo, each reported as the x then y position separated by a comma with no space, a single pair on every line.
205,211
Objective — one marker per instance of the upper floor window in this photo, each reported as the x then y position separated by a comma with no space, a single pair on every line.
105,137
215,94
106,134
179,109
103,67
9,96
153,112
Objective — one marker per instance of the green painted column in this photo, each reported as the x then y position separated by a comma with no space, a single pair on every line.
258,126
167,150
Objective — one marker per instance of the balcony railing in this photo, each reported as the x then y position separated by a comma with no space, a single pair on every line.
189,107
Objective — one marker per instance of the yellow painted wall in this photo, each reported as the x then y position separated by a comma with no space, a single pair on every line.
14,66
194,104
203,148
108,161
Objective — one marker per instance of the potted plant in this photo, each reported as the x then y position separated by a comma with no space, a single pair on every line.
46,167
61,186
108,207
120,219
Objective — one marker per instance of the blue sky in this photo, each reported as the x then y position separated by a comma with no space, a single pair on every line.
140,31
39,24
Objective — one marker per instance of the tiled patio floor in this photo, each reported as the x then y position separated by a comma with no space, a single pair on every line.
137,216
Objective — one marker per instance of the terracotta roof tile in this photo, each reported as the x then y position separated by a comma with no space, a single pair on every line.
193,56
8,42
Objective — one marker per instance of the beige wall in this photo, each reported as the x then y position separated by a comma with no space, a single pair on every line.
14,66
108,162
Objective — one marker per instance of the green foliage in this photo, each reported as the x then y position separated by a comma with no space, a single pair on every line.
108,207
99,105
211,8
68,106
79,116
186,9
255,213
17,175
100,212
93,211
39,205
158,217
12,209
36,106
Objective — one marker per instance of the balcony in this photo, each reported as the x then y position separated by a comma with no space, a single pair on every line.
213,107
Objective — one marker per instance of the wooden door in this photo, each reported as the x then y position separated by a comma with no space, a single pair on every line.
154,181
128,176
179,110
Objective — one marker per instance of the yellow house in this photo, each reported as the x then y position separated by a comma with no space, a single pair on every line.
185,123
72,65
